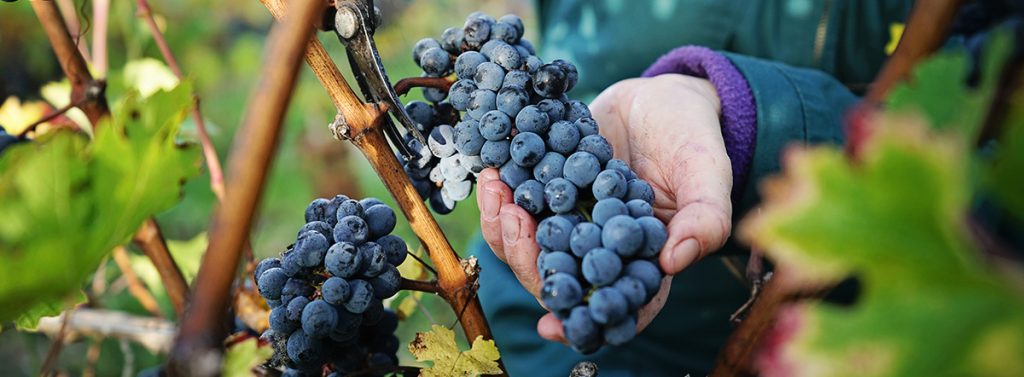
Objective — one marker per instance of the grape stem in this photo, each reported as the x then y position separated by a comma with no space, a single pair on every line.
403,86
419,285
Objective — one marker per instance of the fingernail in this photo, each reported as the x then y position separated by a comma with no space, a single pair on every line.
491,203
684,253
510,229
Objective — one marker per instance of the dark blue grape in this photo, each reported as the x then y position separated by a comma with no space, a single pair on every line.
621,166
560,195
351,229
517,79
505,32
318,319
466,64
366,203
362,294
350,207
488,48
554,108
581,331
319,227
451,40
527,149
374,259
581,168
381,220
271,282
633,290
560,292
440,204
647,273
317,210
585,236
422,114
294,309
294,288
532,119
549,167
558,261
489,76
422,46
577,110
476,31
495,153
435,61
386,284
460,92
601,266
639,208
620,333
533,63
468,140
572,76
511,100
507,57
290,263
609,184
279,321
655,236
550,81
553,233
481,101
586,126
394,247
434,95
563,137
598,146
530,196
311,248
640,189
335,290
623,235
513,175
303,349
374,312
343,260
495,125
607,306
263,266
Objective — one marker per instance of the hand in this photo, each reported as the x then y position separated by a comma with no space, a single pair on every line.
667,128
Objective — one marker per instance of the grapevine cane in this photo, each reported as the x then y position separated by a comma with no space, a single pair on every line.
362,124
198,346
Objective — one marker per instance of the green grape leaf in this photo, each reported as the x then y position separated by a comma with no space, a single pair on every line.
66,201
242,357
438,345
895,219
1006,173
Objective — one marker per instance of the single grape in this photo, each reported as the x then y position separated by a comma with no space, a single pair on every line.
560,195
563,137
311,248
481,101
374,259
550,81
335,290
533,63
655,235
271,282
466,64
366,203
511,100
620,333
609,184
442,141
434,95
527,149
343,260
476,31
319,227
381,221
317,210
513,175
532,119
440,203
295,307
362,294
607,306
554,108
488,48
581,331
507,57
303,349
435,61
530,196
633,290
279,321
349,207
585,236
647,273
623,235
451,40
495,153
394,247
294,288
577,110
549,167
558,261
514,21
422,46
617,164
489,76
318,318
561,291
601,267
387,283
457,190
639,208
459,93
517,79
581,168
553,233
640,189
571,74
505,32
596,145
586,126
468,140
352,229
290,263
263,266
495,125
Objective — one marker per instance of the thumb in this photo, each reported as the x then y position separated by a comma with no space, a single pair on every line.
696,230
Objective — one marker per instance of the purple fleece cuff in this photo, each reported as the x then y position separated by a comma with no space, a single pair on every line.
739,113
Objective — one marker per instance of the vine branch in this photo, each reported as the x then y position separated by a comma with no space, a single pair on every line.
154,334
150,239
403,86
419,285
203,329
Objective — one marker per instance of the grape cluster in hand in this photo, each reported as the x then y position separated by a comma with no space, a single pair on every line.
326,291
598,235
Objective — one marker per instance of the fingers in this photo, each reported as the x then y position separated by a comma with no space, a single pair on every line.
550,327
518,232
701,226
491,195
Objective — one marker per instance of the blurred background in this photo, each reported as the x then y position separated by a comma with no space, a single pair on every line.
219,45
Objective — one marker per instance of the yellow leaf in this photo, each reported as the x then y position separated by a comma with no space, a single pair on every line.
438,345
149,76
15,115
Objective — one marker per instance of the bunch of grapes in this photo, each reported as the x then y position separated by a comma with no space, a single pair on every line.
440,175
326,291
599,239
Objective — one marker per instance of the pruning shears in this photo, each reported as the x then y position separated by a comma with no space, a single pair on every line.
355,23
